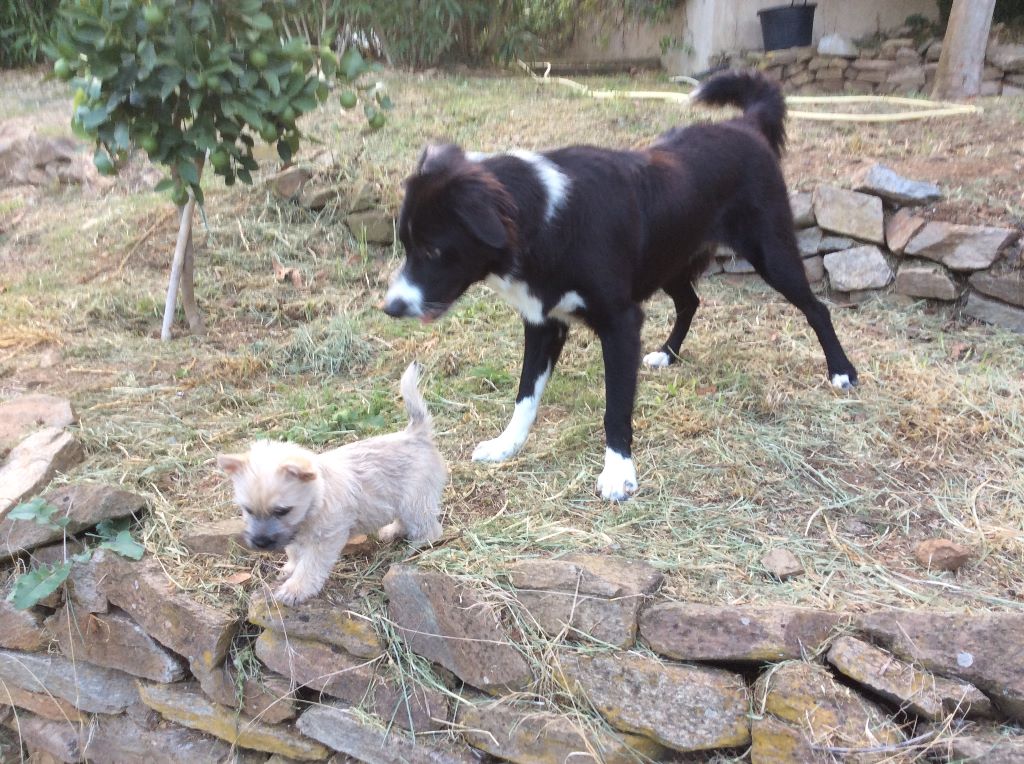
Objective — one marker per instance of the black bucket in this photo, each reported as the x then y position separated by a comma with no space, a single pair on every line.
787,26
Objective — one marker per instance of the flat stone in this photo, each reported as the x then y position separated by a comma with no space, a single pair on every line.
32,464
115,641
60,740
919,692
270,698
449,623
919,278
21,629
686,708
692,631
849,213
45,705
321,621
941,554
219,538
802,204
82,586
960,247
85,504
197,631
883,181
995,312
773,741
874,64
1009,58
808,241
837,45
289,182
982,648
89,688
317,197
907,79
814,267
376,226
186,705
900,229
982,746
834,244
1007,286
120,739
782,564
361,197
20,416
807,696
341,730
737,265
859,268
329,670
527,735
594,595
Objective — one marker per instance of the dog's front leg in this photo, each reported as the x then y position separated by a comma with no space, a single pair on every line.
311,565
620,346
541,348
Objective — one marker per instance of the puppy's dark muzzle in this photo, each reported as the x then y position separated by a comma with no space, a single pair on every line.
263,542
397,308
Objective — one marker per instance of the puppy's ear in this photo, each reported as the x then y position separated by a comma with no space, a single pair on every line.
479,213
298,468
232,464
438,156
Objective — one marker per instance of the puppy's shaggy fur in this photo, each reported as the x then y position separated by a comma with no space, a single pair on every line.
310,504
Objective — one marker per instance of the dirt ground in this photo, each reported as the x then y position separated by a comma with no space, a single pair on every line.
740,448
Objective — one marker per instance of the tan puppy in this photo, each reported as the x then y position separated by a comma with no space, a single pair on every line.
309,504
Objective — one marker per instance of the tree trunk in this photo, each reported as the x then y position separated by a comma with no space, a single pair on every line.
182,269
963,49
188,292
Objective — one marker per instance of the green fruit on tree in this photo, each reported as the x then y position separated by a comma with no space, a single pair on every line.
377,121
153,15
288,115
104,164
220,159
149,144
348,100
62,69
269,133
258,58
180,195
322,92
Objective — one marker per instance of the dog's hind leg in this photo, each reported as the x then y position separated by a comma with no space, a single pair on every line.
543,344
620,346
686,301
778,262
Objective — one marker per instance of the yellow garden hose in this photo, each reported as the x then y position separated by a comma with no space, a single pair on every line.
926,109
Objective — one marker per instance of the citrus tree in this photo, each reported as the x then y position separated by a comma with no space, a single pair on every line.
196,83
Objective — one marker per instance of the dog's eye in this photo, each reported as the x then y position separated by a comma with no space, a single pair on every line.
281,511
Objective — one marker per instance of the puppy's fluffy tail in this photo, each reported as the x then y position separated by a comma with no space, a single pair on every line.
760,98
415,406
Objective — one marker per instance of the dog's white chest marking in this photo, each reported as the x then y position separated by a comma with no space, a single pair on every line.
517,294
555,182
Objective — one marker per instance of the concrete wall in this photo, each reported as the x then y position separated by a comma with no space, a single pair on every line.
701,29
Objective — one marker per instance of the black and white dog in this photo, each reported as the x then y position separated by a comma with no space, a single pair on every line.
585,234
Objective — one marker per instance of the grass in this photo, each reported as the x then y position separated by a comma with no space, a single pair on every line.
741,447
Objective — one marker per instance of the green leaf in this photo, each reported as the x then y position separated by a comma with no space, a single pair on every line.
38,509
164,185
124,545
352,64
260,21
284,150
187,171
121,139
38,584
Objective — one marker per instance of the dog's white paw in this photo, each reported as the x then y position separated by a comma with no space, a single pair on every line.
497,450
617,481
293,591
842,382
657,360
391,531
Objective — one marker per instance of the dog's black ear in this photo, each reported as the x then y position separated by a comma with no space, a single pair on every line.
480,215
438,156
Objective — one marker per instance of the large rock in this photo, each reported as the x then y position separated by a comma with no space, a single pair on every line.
1009,58
343,731
692,631
1007,286
914,690
686,708
527,735
837,45
84,504
62,741
44,704
21,629
329,670
984,649
589,594
850,213
217,538
900,229
982,746
853,270
321,621
82,587
190,628
995,312
960,247
113,640
87,687
885,182
806,697
921,278
186,705
802,204
120,739
376,226
269,698
449,623
773,741
33,463
808,241
288,183
20,416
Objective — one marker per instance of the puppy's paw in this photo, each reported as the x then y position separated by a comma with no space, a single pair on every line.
657,360
294,590
286,570
497,450
845,382
392,531
617,481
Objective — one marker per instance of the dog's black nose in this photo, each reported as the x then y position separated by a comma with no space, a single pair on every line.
396,308
262,541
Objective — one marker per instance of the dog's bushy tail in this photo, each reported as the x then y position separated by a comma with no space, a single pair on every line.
760,98
415,406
